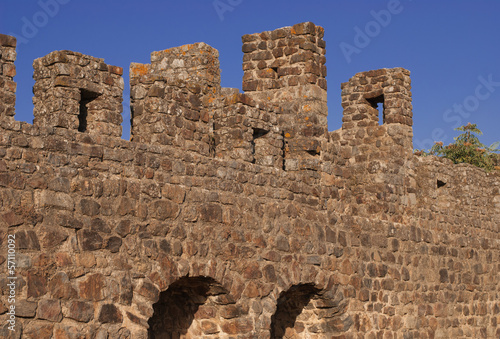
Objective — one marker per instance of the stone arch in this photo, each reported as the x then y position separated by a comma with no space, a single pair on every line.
304,311
189,308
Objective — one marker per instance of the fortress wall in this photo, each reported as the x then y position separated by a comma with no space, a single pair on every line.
166,236
102,223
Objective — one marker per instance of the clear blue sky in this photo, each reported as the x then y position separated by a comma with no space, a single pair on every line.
451,47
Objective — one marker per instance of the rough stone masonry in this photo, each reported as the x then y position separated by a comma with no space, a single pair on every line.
236,215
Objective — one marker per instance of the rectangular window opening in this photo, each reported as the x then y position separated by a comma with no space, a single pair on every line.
378,103
275,69
85,98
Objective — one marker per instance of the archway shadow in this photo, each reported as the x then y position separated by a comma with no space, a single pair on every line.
290,305
175,310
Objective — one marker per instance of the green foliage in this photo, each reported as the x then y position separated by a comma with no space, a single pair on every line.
467,149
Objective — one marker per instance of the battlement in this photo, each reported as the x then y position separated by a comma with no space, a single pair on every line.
286,57
236,215
77,92
7,73
177,99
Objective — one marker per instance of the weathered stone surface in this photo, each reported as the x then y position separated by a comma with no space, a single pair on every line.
109,313
3,309
252,271
137,320
123,228
89,240
99,225
174,193
113,244
38,330
237,326
209,327
149,291
49,310
70,332
237,214
7,40
56,200
60,287
80,311
126,290
211,212
92,288
164,209
52,237
25,309
12,219
37,284
89,207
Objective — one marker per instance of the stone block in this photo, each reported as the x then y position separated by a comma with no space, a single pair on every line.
89,240
109,313
80,311
92,288
49,310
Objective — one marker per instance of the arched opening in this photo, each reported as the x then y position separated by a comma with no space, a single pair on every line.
189,308
304,311
291,303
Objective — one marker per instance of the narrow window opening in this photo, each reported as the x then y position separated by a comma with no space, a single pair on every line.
440,183
257,133
313,152
85,98
283,150
378,103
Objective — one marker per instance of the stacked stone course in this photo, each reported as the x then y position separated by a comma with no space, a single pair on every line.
7,73
237,215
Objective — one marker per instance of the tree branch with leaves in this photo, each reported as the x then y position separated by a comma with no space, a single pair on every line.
467,149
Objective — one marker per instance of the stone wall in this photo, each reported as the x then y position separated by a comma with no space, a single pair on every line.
215,222
286,68
77,92
172,98
7,73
